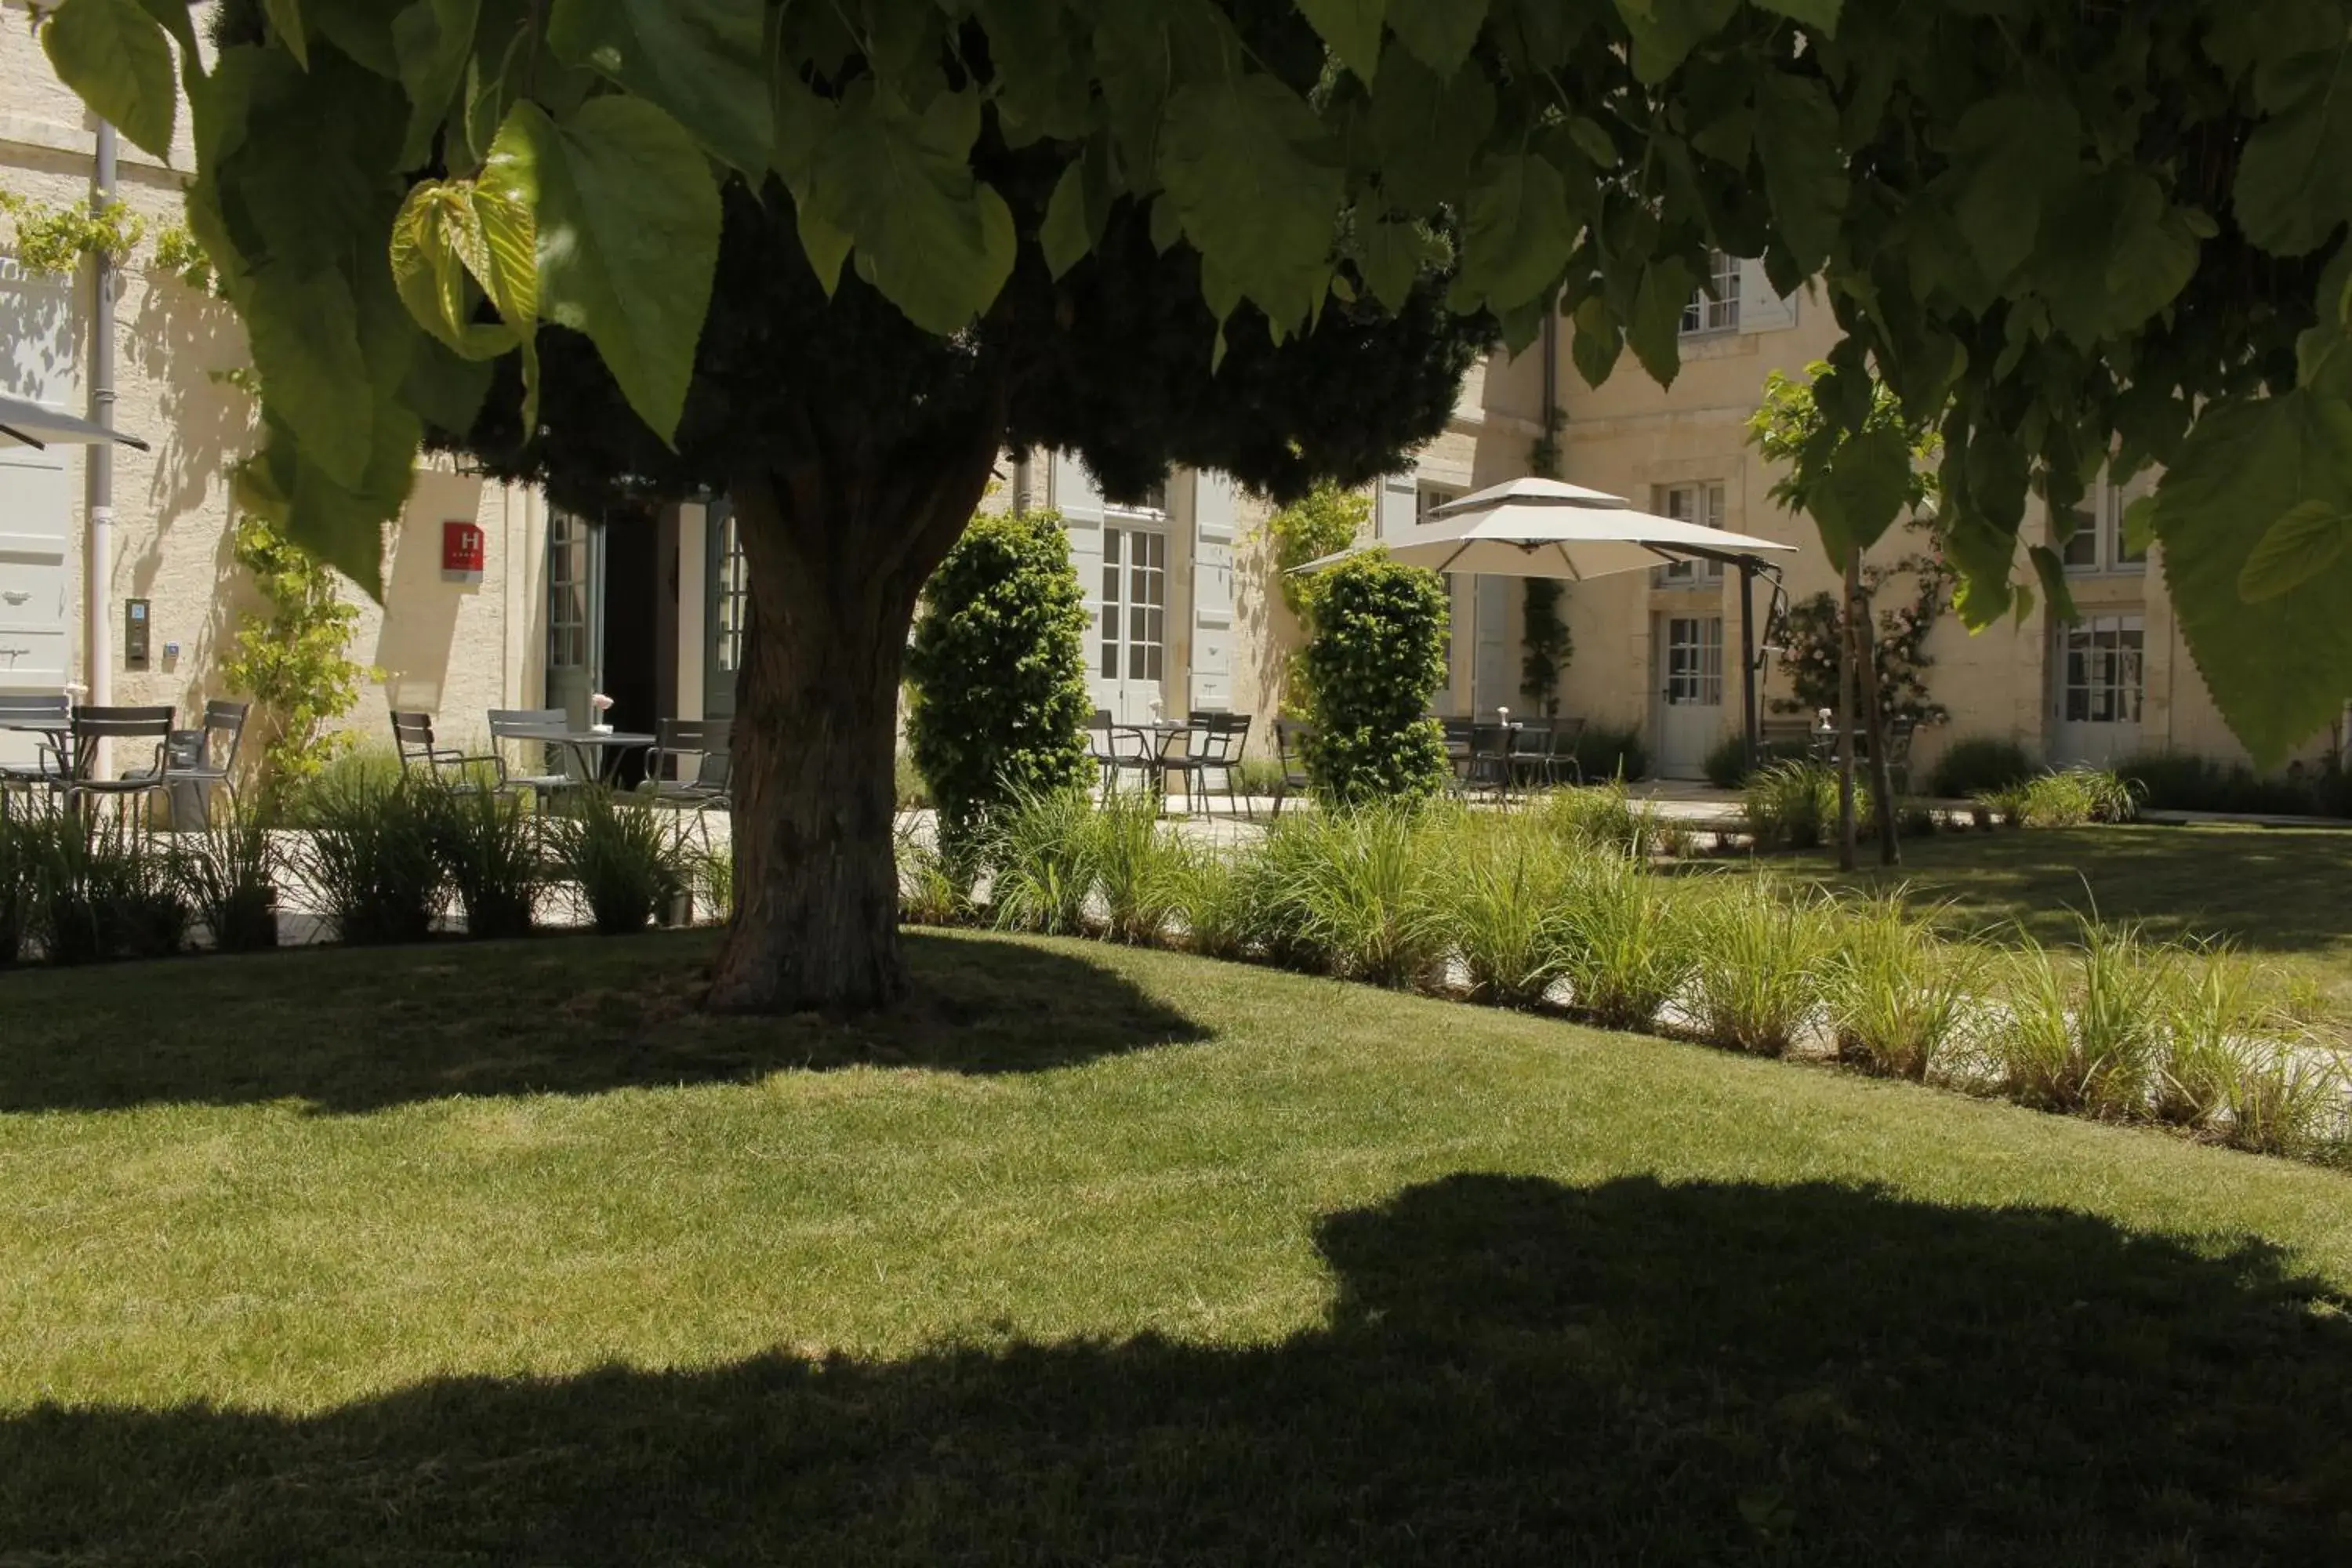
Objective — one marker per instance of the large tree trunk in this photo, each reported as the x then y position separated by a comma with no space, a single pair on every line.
837,551
1846,715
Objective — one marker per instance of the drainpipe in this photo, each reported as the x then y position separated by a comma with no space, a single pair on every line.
98,656
1023,478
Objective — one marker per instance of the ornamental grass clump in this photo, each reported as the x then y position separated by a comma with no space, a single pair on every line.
630,861
928,894
2238,1067
373,858
95,890
1759,963
1603,817
2083,1030
1210,900
493,856
1040,849
1370,896
2068,797
228,873
1137,867
16,859
1794,805
1900,1000
1625,949
1505,908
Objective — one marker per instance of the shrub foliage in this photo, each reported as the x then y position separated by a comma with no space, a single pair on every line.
1376,656
997,671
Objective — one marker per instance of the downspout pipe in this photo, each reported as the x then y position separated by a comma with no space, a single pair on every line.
97,655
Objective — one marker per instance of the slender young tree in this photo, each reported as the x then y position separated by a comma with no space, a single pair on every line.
2081,232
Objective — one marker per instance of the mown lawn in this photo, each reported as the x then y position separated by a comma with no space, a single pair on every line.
502,1254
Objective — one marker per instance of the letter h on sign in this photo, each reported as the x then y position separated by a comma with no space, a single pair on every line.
462,550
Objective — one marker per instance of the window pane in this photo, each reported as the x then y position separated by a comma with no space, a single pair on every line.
2081,550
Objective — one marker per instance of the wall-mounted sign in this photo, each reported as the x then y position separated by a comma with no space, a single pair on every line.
462,548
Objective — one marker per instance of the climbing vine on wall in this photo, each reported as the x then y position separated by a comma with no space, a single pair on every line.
50,238
1805,635
294,661
1324,524
1545,643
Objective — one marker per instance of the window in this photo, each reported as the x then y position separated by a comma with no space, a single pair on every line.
1699,503
2100,670
1716,306
1429,497
732,588
1695,660
1134,603
2094,539
567,591
1154,503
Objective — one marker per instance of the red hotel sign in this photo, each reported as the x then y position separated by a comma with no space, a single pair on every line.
462,547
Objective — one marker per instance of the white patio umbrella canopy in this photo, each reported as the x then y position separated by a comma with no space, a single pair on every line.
1543,528
24,424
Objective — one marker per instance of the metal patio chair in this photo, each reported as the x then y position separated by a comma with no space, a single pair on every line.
1213,744
91,727
542,727
422,757
1291,739
1119,749
49,720
708,787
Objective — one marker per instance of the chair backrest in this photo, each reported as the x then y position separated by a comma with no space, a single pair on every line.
1290,736
1458,731
91,725
1532,738
1898,742
1564,733
1223,736
411,736
222,718
528,723
705,739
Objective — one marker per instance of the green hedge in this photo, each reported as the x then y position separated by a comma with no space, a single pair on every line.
1375,657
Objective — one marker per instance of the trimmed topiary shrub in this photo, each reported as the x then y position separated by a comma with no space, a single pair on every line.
1979,764
996,674
1376,656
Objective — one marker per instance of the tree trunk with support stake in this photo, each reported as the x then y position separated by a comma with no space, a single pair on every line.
1846,838
1882,773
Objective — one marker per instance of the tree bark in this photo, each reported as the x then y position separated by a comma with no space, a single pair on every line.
1882,775
837,551
1846,715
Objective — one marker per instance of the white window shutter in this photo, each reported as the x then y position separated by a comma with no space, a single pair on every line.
1399,507
1761,308
39,361
1214,521
1071,491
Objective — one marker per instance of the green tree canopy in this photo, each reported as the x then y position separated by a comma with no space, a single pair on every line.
2083,231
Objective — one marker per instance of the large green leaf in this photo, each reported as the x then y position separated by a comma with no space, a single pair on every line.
1804,171
1655,330
1517,231
1041,88
1597,342
2294,177
701,61
1440,33
286,22
304,332
1392,255
1819,14
432,39
1666,31
1063,236
627,237
2281,668
1240,162
1427,131
2114,256
2296,548
115,55
899,183
1864,491
2011,154
1352,28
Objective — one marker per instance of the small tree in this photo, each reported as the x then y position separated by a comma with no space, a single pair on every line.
1376,655
295,661
997,672
1856,461
1324,524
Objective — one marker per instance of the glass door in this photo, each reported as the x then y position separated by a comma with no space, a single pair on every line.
1130,668
1690,694
576,613
2098,676
726,601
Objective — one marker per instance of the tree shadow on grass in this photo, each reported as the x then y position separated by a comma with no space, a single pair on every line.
358,1029
1514,1372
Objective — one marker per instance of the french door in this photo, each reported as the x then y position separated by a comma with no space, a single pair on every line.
2098,676
1131,667
576,612
726,583
1690,692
